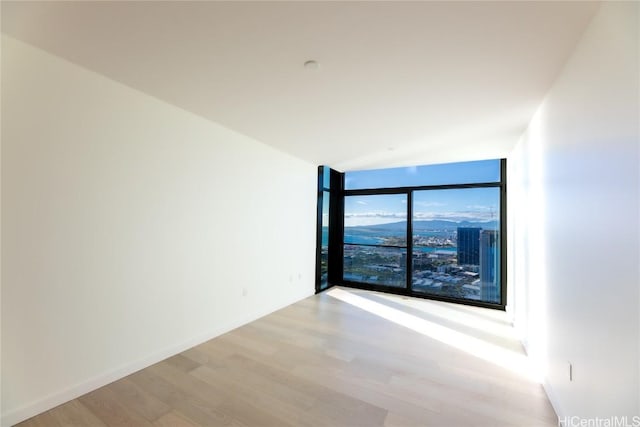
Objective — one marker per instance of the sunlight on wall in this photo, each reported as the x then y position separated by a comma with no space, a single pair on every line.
531,253
516,238
515,362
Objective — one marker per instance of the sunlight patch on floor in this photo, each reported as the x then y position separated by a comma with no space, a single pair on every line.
496,327
513,361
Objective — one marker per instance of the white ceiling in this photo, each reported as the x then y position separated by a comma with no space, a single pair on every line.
399,82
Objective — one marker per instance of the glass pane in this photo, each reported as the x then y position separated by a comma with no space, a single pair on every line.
457,243
375,265
324,248
325,218
375,237
414,176
326,177
376,220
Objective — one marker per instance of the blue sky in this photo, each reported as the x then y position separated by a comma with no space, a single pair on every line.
441,174
474,204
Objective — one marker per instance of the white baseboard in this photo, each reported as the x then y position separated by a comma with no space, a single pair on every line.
553,399
58,398
548,389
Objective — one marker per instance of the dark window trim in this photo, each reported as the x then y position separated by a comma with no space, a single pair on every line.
336,236
319,197
336,227
408,268
407,190
503,233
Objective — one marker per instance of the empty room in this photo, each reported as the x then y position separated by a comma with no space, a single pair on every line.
320,213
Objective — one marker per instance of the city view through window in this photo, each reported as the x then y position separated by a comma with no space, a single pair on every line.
455,232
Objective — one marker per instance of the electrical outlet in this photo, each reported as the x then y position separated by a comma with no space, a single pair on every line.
245,292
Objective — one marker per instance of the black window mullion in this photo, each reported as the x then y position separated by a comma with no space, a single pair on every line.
336,230
400,190
409,267
319,228
503,232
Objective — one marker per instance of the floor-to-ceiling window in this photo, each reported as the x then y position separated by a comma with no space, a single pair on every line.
329,227
322,251
434,231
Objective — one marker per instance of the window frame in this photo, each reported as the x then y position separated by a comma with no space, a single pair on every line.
338,276
336,226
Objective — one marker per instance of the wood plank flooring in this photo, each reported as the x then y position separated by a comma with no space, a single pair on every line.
342,358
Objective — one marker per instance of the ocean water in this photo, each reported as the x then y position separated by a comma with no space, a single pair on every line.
361,235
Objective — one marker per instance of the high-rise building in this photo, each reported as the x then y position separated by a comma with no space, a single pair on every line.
489,271
469,245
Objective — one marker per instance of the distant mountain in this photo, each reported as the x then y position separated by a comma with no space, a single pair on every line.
429,225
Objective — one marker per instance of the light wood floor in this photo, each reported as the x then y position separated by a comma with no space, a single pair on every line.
341,358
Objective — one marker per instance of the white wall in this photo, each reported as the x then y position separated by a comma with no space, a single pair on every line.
130,229
574,209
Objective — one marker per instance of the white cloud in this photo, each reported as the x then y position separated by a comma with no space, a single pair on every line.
379,214
481,207
429,204
373,218
455,216
382,217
